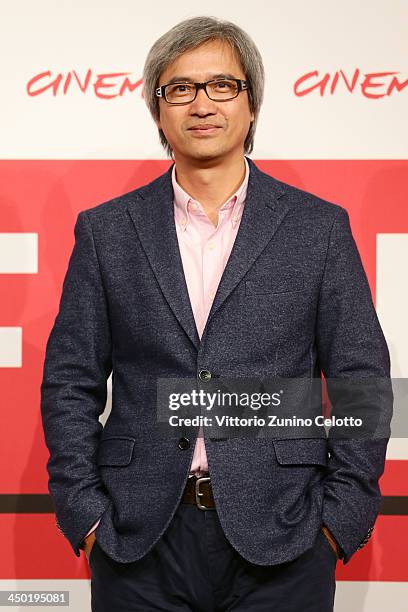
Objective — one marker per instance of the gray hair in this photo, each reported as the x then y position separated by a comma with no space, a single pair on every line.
192,33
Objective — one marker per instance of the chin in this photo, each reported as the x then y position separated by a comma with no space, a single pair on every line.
204,153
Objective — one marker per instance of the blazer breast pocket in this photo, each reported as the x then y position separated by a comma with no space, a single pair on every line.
274,285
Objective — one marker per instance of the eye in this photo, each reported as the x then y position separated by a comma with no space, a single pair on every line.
178,89
224,85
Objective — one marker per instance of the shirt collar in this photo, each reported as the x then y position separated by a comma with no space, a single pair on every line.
185,205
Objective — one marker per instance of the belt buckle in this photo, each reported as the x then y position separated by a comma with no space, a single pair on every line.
198,494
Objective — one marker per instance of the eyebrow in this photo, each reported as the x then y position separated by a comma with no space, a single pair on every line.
186,79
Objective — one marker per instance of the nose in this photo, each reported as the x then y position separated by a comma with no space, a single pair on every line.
202,105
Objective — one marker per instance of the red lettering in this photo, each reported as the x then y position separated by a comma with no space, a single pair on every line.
100,84
319,85
334,82
73,73
368,82
54,84
67,82
83,87
44,81
395,84
353,82
127,85
344,78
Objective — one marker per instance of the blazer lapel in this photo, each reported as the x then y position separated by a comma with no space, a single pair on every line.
152,213
261,217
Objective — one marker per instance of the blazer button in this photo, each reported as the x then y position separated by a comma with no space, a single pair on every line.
184,443
204,375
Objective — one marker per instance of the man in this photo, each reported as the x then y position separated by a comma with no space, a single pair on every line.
213,269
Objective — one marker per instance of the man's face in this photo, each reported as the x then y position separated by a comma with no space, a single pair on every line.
232,118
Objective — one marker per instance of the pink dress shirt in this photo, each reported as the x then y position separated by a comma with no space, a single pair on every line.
204,250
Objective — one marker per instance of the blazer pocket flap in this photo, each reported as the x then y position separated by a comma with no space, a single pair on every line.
116,450
301,450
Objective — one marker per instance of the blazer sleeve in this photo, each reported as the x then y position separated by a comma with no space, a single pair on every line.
74,391
351,346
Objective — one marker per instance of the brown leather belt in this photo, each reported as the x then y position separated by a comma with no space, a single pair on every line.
198,491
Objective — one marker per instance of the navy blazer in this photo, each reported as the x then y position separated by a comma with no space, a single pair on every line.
293,301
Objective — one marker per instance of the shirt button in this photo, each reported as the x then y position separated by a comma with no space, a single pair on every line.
193,205
210,245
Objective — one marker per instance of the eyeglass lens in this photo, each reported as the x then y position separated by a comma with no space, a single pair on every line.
217,90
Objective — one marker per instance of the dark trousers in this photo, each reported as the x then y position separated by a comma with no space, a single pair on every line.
194,567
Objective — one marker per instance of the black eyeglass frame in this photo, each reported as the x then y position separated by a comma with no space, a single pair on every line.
242,85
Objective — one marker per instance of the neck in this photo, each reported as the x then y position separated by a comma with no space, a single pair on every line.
211,185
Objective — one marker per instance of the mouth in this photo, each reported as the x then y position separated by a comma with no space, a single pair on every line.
204,129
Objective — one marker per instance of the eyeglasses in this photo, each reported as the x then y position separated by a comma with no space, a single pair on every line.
217,90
